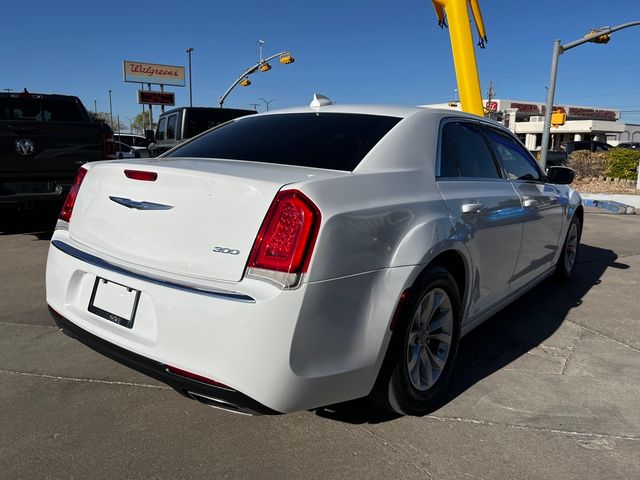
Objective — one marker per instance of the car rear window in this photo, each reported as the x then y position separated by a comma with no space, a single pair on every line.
336,141
40,109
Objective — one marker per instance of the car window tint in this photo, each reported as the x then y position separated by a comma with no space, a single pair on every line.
40,110
516,161
337,141
162,124
468,152
171,127
448,164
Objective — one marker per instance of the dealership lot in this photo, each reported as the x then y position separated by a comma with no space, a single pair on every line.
548,388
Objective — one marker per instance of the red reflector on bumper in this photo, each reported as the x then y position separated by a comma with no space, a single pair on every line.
141,175
194,376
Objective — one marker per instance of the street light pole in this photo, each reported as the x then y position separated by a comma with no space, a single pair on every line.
95,106
189,52
253,69
267,103
110,109
559,49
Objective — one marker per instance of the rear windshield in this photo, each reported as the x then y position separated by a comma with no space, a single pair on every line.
40,109
336,141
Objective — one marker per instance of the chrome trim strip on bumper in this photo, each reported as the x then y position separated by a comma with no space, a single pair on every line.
100,263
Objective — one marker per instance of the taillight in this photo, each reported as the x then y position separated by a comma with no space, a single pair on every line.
286,239
141,175
67,208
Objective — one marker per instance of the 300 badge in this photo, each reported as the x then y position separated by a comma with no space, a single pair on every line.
229,251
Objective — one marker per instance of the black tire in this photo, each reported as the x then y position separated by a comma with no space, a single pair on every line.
569,255
395,389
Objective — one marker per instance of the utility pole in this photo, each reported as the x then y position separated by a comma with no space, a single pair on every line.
189,52
95,106
491,93
110,110
150,111
144,122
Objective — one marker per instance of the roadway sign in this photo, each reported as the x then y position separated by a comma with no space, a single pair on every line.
149,97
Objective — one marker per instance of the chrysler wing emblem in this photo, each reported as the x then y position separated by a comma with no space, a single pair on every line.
24,146
127,202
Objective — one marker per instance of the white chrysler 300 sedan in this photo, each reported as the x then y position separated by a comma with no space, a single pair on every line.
308,256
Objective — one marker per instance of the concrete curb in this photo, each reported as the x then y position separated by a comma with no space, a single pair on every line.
616,203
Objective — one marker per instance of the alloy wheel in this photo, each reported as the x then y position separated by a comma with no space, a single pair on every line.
430,339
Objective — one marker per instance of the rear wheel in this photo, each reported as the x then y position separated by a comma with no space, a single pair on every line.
569,256
423,350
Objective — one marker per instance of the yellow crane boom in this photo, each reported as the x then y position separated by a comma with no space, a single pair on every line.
462,47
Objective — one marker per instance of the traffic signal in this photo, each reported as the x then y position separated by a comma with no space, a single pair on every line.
286,59
264,67
245,82
558,118
601,39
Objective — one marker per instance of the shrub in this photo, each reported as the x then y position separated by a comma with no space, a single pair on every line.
588,164
622,163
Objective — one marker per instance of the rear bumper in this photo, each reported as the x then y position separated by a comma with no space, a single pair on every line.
227,399
283,351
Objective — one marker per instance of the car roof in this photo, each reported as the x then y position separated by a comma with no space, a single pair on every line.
400,111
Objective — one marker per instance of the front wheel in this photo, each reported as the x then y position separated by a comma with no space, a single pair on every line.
424,347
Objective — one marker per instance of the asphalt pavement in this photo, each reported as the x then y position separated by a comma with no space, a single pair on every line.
548,388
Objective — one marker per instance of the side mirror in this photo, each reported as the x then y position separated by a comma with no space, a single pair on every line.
561,175
150,135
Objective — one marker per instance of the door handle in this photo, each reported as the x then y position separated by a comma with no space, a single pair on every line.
530,202
474,207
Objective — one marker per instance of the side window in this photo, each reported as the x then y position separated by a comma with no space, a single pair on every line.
171,127
465,153
516,161
161,128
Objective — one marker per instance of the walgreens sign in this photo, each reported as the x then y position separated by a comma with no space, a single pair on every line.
138,72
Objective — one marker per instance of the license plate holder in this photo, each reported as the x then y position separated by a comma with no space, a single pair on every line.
114,302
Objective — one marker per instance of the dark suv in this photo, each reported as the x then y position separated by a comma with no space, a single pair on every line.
592,146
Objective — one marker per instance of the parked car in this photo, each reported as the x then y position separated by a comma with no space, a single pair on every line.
554,157
44,139
308,256
593,146
179,124
122,150
633,145
132,140
137,143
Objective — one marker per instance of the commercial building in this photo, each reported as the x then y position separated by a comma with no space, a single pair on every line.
526,120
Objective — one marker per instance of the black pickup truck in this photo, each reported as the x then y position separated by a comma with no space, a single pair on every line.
43,141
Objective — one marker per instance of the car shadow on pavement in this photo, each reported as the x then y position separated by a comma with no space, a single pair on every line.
39,223
506,336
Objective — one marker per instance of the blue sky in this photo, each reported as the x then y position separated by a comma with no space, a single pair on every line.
354,51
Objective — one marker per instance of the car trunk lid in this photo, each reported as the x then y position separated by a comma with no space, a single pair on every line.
198,218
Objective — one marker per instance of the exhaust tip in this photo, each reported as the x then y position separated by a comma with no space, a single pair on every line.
217,403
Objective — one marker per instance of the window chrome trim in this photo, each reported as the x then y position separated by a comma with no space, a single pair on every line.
100,263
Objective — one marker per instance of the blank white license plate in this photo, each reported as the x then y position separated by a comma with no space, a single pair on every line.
114,302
